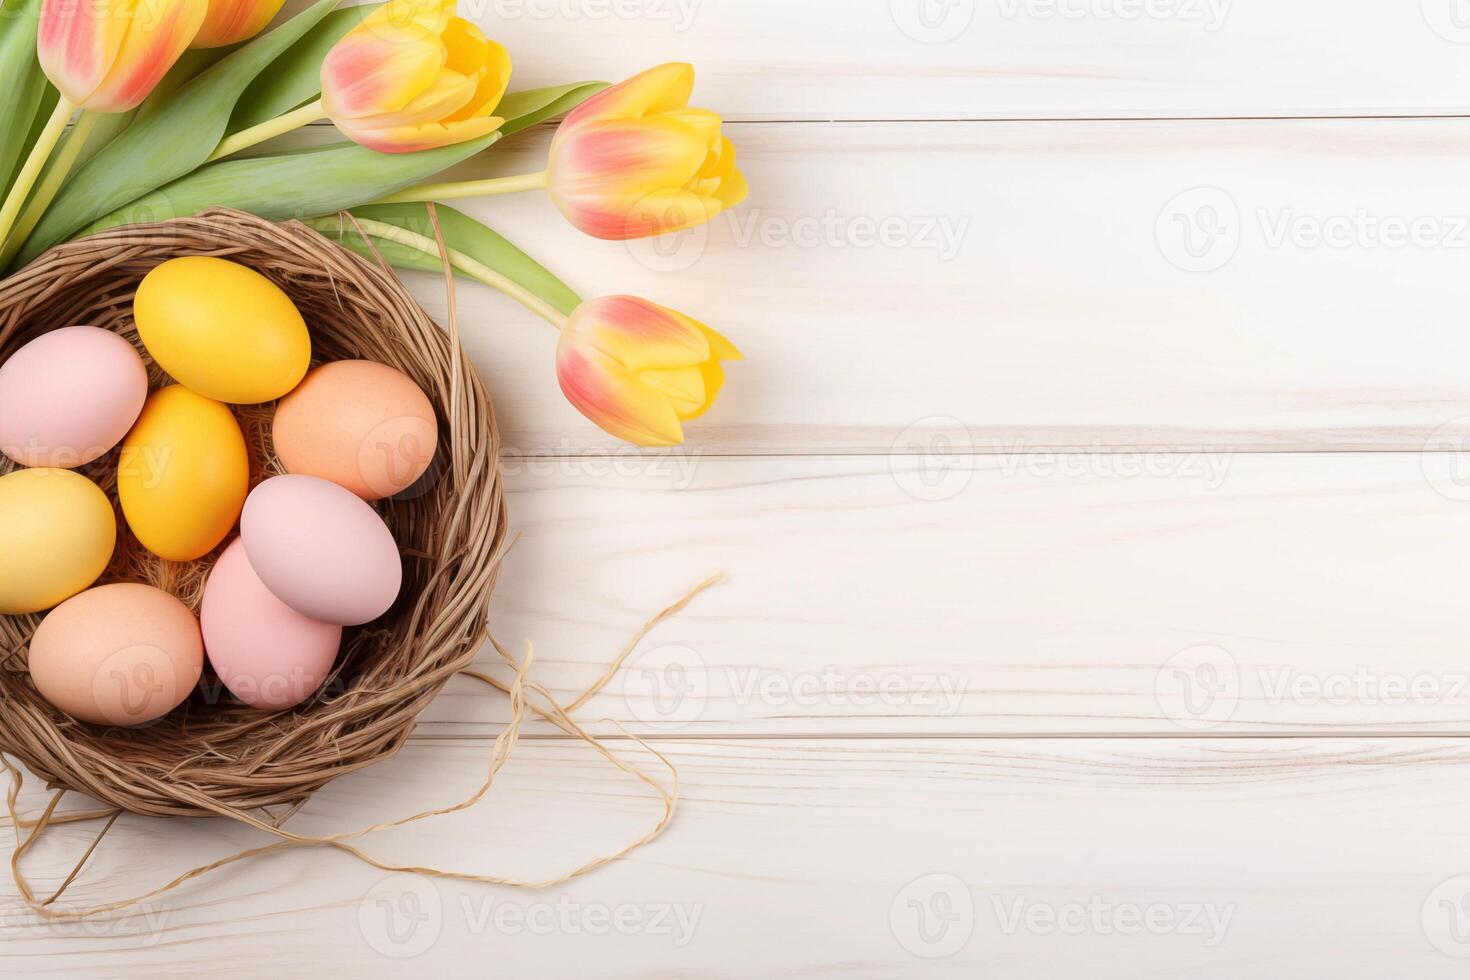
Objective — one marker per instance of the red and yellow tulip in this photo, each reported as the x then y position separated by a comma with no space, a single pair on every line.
107,55
637,161
640,370
413,76
633,161
233,21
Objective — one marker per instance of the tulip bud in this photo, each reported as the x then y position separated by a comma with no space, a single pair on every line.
413,77
635,161
107,55
640,370
233,21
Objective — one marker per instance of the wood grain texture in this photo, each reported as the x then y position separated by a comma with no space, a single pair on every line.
802,858
991,287
965,59
1168,595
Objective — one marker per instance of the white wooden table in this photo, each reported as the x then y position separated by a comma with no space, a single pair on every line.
1092,504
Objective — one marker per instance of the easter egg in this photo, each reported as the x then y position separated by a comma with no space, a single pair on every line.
222,330
321,550
123,654
57,532
268,654
359,424
69,396
183,474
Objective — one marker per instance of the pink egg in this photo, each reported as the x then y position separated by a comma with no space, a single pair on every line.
268,654
69,396
321,550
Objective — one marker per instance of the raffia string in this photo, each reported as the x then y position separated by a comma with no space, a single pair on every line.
500,754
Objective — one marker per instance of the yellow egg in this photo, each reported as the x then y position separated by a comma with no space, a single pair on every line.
222,330
57,533
183,474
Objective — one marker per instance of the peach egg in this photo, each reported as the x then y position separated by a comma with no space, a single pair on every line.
362,425
123,654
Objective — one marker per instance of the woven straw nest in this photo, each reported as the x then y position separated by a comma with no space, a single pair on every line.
213,755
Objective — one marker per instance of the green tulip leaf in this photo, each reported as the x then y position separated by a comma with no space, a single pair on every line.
168,141
25,89
522,110
461,234
295,78
293,185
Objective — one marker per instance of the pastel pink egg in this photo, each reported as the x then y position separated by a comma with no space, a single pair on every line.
321,550
69,396
269,655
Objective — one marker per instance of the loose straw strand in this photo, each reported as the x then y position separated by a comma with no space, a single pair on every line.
500,755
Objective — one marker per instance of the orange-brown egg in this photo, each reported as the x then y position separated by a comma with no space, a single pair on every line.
123,654
362,425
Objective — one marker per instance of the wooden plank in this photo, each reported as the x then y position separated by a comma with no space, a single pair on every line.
1107,593
962,59
1062,859
992,287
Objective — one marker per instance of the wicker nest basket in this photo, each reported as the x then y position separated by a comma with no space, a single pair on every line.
213,756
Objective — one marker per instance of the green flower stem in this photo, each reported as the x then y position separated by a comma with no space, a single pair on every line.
458,260
40,153
460,190
56,174
270,129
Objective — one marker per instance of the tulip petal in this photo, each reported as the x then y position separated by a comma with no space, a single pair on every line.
684,386
640,335
719,345
365,74
714,383
232,21
661,89
623,157
447,93
733,190
160,31
609,395
494,79
702,121
412,139
77,43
